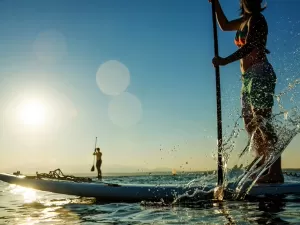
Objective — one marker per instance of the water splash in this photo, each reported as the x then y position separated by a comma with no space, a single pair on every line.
201,191
286,125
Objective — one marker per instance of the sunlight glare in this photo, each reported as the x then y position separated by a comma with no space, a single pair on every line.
29,194
125,110
113,77
32,113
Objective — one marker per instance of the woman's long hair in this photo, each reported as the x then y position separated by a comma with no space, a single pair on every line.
251,6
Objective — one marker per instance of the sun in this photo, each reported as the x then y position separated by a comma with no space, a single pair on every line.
32,113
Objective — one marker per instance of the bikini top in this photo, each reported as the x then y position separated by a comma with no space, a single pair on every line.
240,38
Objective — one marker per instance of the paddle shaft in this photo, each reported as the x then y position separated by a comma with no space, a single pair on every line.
94,151
95,144
218,95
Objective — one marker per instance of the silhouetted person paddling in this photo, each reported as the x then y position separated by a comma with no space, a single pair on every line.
98,155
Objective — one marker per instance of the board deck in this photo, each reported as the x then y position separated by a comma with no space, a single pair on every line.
133,192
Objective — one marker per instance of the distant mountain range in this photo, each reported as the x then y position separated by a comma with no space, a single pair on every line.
80,169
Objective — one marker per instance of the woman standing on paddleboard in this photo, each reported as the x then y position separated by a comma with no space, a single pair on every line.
98,155
258,78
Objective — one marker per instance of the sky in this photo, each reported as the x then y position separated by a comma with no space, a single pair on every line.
135,74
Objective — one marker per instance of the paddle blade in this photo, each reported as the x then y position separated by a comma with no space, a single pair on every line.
93,168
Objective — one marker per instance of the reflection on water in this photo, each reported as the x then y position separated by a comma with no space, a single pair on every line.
27,206
29,194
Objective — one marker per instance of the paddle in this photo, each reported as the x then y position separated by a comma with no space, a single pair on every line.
218,95
93,167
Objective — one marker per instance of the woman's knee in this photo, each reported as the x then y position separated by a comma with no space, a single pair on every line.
264,113
248,125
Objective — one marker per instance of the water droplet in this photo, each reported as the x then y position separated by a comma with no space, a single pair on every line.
286,115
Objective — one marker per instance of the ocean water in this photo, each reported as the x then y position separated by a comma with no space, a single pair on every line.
20,205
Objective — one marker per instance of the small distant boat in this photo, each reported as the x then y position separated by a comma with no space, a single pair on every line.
174,172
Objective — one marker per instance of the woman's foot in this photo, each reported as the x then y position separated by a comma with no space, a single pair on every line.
274,178
274,174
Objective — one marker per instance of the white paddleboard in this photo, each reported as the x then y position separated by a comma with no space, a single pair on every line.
133,192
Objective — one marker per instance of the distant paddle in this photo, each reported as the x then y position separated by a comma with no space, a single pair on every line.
93,167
